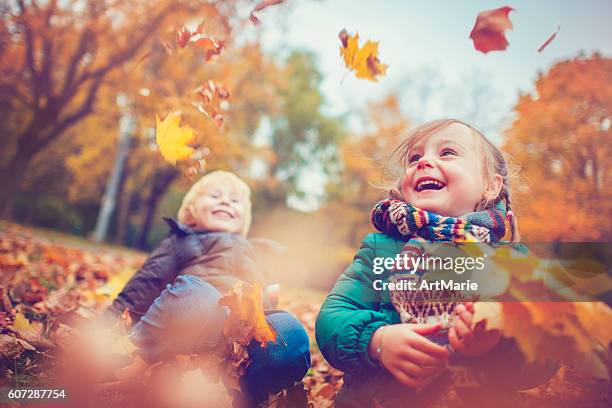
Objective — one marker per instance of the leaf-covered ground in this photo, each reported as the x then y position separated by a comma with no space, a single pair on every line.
51,282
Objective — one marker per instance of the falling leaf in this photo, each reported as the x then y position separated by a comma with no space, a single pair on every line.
488,33
363,61
172,139
183,35
260,6
218,118
200,108
549,40
196,169
222,93
212,48
209,93
247,319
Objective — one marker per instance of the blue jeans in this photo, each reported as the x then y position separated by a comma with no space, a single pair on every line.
186,319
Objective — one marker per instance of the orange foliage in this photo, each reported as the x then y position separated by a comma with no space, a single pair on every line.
246,320
562,139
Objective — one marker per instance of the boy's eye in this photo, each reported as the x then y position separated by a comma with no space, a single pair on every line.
446,152
414,157
235,201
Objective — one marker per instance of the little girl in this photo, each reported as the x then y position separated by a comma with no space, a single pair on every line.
455,186
173,298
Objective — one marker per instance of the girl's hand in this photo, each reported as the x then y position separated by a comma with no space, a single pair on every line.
468,339
411,358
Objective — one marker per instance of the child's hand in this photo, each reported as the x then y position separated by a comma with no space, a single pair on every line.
411,358
471,340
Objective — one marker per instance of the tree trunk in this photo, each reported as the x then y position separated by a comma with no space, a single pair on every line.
158,189
123,201
127,124
11,177
127,201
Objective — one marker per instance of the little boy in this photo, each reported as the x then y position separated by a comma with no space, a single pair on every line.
204,255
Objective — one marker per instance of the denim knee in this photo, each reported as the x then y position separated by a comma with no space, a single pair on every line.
278,365
185,318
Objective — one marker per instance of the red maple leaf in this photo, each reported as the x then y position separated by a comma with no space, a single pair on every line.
488,33
183,35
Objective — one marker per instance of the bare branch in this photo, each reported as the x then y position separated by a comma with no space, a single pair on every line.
80,51
47,60
29,55
74,117
137,43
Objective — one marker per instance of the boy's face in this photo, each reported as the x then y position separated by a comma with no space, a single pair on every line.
443,172
220,208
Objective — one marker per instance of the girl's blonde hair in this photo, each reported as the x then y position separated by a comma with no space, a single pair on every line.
209,180
493,162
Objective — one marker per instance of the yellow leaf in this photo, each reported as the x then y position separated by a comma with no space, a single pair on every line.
247,319
21,324
363,61
113,285
172,139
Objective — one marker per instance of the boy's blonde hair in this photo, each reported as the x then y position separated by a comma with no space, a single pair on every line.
203,184
493,162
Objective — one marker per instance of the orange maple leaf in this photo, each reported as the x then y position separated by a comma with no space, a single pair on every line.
246,320
363,61
212,47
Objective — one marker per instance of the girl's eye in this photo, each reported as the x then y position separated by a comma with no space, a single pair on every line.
414,157
445,152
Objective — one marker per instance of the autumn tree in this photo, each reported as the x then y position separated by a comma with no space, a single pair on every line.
302,134
367,169
561,138
56,57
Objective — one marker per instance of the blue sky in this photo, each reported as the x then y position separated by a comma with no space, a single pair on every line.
418,38
433,65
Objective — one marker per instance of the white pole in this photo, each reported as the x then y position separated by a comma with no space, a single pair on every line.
127,125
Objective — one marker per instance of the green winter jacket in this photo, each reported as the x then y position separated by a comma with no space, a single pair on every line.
353,310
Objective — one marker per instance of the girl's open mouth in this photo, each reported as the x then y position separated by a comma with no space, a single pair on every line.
427,183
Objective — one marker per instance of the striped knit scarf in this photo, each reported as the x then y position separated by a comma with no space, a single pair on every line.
405,221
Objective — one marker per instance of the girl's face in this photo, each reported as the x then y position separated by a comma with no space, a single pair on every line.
220,208
443,173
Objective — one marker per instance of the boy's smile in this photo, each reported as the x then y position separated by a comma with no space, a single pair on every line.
220,208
